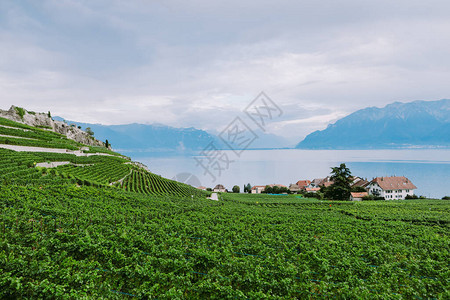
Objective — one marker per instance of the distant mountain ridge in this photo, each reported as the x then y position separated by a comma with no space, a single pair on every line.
159,138
397,125
155,138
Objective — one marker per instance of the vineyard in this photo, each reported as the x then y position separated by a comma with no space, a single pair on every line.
13,133
64,241
151,184
18,134
103,227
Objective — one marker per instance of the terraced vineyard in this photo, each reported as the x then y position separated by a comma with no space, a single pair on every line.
97,170
99,173
13,133
148,183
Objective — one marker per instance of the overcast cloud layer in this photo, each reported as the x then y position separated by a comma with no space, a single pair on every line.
199,63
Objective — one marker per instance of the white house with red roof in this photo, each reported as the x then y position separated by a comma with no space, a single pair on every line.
391,188
358,196
258,189
220,188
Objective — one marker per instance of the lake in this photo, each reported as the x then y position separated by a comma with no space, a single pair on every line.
428,169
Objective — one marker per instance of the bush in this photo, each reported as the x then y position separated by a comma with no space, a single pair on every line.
372,197
20,111
411,197
89,131
313,195
446,198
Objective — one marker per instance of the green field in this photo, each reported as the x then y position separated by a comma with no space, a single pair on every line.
67,241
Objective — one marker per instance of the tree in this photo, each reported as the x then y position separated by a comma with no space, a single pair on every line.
89,131
268,189
247,188
341,178
276,189
49,114
236,189
107,144
358,189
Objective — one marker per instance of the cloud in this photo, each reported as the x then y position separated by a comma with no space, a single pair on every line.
200,63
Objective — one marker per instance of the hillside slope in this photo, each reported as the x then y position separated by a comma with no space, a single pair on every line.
398,125
33,156
45,121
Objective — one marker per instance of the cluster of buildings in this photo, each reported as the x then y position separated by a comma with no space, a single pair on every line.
389,188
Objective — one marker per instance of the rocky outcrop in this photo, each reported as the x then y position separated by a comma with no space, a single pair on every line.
44,121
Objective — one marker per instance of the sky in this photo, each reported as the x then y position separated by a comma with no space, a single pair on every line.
200,63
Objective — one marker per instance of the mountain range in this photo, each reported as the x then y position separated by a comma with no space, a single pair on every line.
149,138
418,124
157,138
398,125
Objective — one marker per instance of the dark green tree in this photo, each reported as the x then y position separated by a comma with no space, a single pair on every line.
358,189
268,189
107,144
276,189
341,178
249,188
236,189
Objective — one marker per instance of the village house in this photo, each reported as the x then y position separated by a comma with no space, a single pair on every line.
202,188
391,188
359,182
219,188
358,196
294,188
318,182
258,189
302,184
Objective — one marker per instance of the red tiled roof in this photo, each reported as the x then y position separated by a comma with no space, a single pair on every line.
303,183
360,194
258,186
394,183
